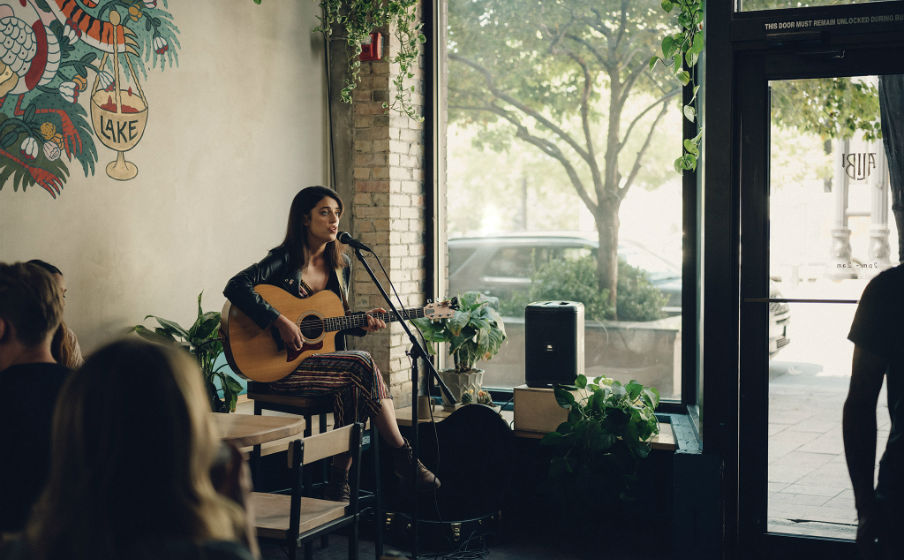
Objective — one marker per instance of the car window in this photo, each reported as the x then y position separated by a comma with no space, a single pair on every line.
511,262
656,267
458,256
576,253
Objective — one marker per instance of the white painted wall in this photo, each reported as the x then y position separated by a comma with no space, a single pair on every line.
233,132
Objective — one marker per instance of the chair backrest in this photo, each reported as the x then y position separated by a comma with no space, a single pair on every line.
324,445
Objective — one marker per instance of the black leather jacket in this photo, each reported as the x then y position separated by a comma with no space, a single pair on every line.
275,269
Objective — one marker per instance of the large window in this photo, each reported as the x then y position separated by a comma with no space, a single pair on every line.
559,183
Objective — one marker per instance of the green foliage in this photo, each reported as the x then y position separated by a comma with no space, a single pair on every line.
828,107
575,280
557,77
475,332
45,104
680,51
358,19
597,449
201,340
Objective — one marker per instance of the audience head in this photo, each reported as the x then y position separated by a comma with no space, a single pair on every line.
296,231
31,307
55,272
132,450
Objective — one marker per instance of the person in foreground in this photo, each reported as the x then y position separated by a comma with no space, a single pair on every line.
64,346
132,459
30,310
309,260
878,336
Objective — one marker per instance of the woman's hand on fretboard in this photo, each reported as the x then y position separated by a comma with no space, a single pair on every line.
374,323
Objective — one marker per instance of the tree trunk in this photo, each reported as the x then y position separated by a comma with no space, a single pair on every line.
607,225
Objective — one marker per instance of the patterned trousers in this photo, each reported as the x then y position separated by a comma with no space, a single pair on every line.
350,375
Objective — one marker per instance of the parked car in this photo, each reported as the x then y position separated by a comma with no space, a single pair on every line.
502,264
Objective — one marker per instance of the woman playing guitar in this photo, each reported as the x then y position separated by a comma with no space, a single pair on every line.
309,260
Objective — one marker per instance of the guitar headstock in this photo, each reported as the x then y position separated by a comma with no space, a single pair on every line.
441,309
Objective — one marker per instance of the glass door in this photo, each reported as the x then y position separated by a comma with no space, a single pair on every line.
829,233
817,225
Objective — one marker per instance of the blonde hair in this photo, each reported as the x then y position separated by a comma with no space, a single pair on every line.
132,449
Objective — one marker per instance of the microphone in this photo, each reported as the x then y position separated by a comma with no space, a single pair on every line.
346,237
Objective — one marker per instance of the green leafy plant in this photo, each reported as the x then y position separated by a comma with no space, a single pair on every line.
598,447
356,20
201,340
681,50
475,332
575,280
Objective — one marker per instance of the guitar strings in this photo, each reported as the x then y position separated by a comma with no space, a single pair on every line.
311,322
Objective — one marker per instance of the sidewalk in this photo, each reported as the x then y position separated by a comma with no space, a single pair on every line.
809,488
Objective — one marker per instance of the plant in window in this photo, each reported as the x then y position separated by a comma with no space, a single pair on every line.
475,332
596,451
201,340
681,50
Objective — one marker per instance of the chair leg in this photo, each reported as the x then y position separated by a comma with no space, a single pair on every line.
256,454
378,492
308,550
353,540
325,469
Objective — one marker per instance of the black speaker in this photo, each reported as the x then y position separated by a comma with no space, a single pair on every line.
553,342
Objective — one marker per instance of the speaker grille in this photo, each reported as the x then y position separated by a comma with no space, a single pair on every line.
553,342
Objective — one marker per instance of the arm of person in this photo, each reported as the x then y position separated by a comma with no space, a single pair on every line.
240,291
373,323
859,432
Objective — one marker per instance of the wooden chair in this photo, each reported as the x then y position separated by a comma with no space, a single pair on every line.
295,520
309,407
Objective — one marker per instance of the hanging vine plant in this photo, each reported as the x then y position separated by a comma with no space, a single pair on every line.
681,51
357,19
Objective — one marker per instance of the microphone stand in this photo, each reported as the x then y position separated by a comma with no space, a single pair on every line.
417,351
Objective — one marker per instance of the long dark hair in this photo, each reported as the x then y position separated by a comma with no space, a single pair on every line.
296,232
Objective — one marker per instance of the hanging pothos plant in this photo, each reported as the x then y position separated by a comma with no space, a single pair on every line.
680,51
357,19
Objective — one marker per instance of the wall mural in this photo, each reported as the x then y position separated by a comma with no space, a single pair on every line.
49,51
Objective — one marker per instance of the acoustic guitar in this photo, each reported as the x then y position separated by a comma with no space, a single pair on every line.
260,354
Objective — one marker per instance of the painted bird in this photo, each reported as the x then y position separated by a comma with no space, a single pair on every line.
30,57
29,50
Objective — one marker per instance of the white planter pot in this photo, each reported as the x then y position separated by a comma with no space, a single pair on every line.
460,383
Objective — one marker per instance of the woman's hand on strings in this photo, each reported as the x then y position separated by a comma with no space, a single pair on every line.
374,323
289,332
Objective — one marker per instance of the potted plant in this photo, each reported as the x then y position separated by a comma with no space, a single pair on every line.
201,340
475,332
597,450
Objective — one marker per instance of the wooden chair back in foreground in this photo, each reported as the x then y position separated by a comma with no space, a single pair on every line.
294,519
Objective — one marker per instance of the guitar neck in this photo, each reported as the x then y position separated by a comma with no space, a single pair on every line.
356,320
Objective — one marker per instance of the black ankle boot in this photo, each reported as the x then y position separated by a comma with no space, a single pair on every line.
402,458
337,489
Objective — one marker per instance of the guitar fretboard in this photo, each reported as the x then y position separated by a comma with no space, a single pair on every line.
345,322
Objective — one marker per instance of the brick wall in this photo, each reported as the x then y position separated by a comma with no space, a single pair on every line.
388,209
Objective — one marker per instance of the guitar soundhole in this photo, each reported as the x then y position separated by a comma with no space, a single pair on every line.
311,327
